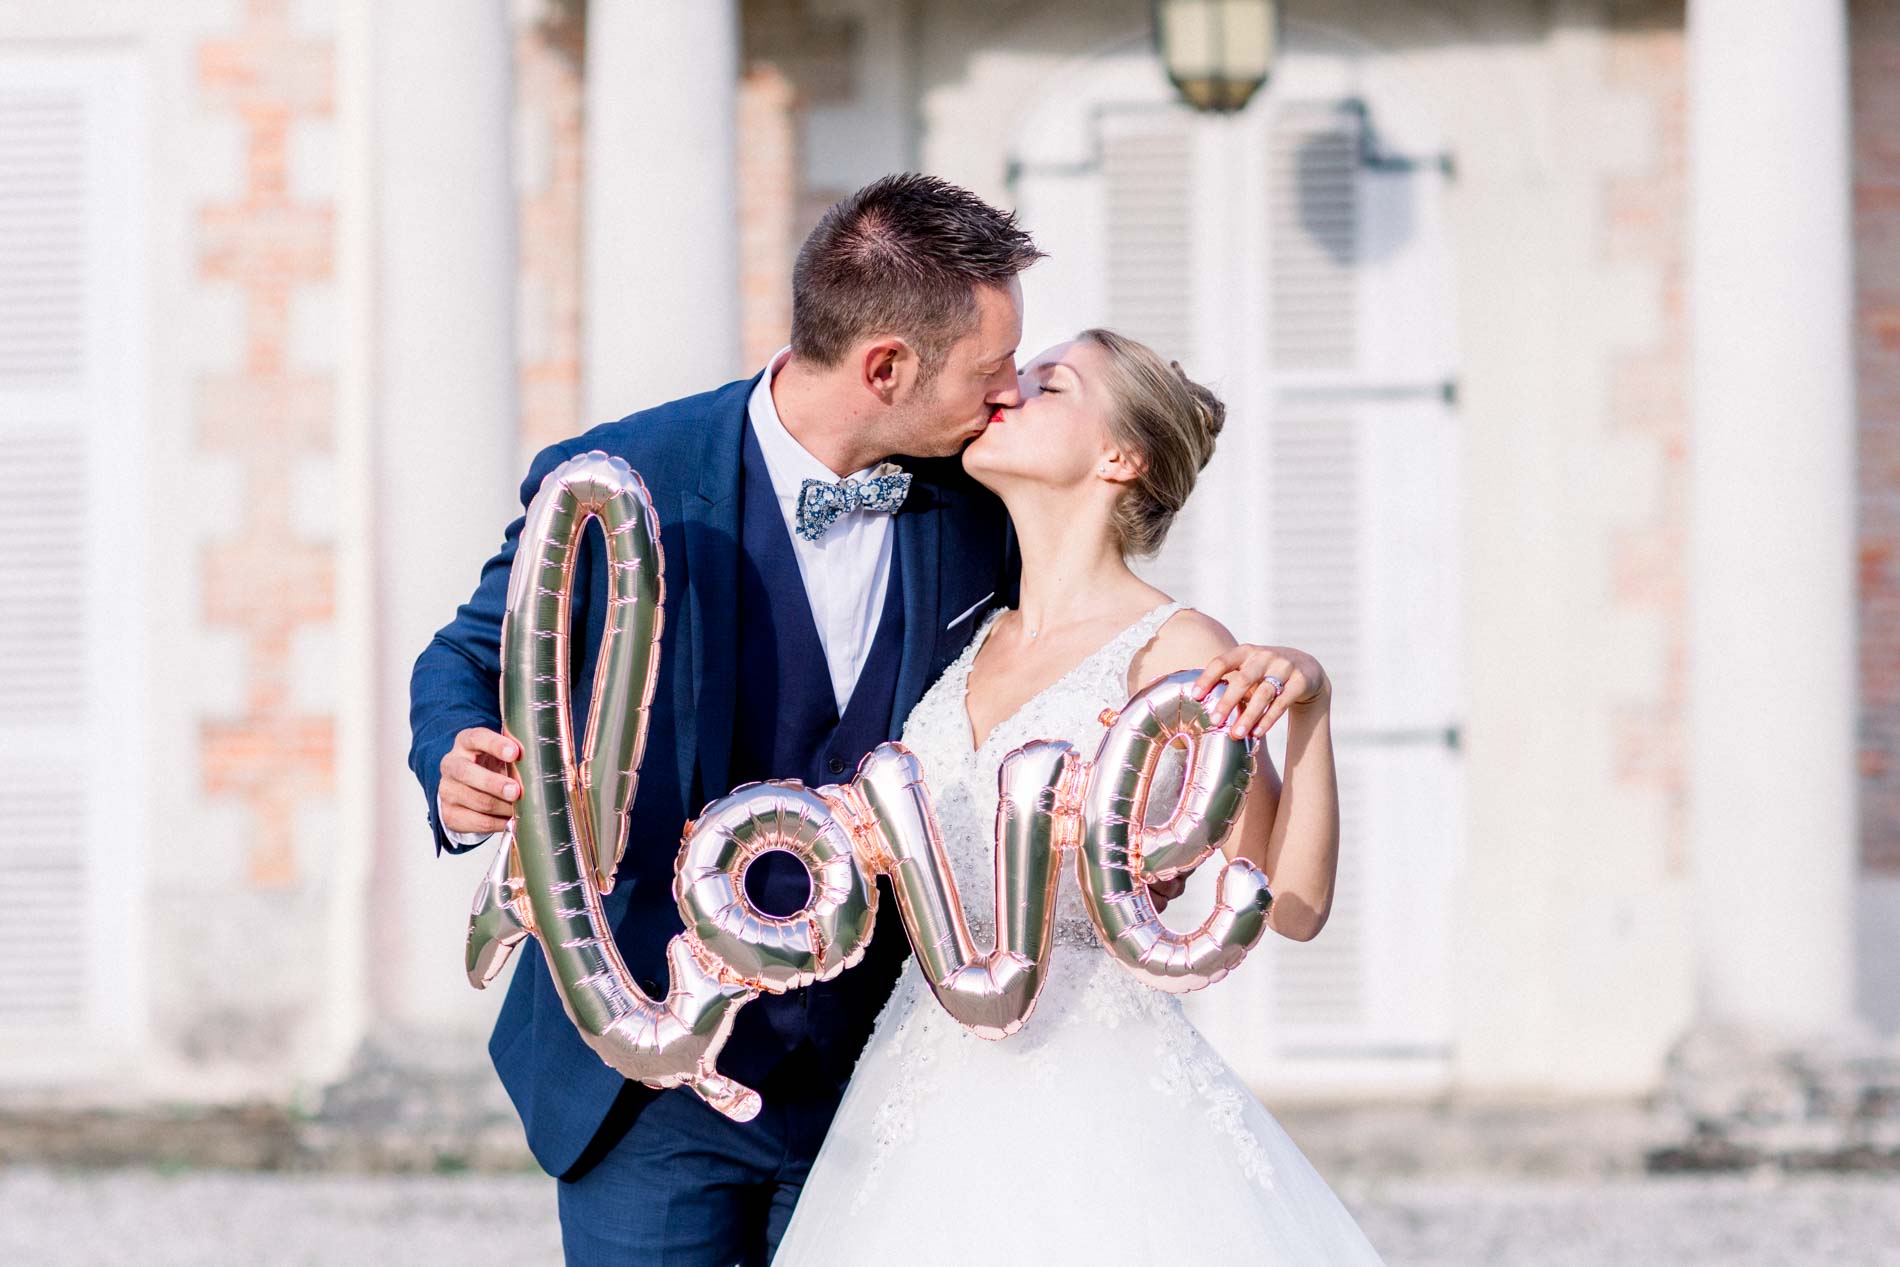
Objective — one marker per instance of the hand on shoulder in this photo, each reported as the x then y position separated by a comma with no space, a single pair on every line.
1252,704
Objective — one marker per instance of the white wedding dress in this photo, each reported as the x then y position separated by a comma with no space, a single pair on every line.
1106,1131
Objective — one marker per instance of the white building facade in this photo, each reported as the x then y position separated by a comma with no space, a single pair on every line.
1556,432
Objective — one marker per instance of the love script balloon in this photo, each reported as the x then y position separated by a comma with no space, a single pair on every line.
565,841
568,834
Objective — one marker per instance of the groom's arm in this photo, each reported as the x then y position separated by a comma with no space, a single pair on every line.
456,682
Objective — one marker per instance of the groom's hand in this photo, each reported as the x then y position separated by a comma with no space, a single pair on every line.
479,785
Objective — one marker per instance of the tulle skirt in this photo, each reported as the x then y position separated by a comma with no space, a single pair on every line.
1107,1131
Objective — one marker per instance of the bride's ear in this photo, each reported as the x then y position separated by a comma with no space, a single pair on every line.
1117,467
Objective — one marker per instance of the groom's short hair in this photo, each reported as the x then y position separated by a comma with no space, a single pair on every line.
902,256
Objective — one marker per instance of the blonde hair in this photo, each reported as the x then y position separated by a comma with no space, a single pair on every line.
1167,423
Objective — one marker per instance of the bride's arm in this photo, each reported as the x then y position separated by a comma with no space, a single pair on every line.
1288,829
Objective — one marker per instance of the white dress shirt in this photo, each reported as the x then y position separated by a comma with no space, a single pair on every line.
846,572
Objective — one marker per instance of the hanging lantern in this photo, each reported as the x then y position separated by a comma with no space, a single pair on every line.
1217,52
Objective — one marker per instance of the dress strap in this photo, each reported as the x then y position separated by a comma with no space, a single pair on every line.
1120,654
967,660
982,634
1150,625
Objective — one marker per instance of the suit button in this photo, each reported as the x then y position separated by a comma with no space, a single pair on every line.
835,765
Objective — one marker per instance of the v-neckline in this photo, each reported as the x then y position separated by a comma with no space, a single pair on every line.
976,649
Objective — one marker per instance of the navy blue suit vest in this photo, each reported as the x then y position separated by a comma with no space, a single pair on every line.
788,727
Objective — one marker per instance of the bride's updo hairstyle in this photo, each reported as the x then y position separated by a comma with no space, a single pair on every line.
1167,423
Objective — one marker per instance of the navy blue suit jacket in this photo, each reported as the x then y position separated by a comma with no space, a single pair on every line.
956,553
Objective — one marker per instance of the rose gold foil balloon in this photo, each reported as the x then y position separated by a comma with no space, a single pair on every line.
771,952
500,917
1120,855
566,838
991,992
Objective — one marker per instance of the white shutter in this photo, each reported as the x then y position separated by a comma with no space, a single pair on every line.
1347,449
1362,552
1148,185
1313,235
1314,513
1148,188
70,606
1312,577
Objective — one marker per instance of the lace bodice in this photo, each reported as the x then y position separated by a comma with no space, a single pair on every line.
963,780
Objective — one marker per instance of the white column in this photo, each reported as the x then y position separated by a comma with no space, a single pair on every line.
1771,531
660,255
444,436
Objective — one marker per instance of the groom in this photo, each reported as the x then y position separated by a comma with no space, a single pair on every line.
813,591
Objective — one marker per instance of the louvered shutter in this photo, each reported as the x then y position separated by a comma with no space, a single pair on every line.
1153,293
1358,516
1148,185
1316,539
70,602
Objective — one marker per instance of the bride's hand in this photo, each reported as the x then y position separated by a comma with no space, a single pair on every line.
1251,705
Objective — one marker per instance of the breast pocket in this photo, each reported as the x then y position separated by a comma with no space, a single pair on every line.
959,628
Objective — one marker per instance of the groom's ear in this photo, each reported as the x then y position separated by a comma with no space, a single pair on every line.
887,366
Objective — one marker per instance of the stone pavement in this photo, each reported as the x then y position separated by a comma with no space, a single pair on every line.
397,1169
108,1217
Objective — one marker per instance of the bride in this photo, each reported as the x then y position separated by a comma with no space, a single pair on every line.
1106,1131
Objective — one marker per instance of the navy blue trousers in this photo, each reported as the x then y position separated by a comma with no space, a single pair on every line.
687,1187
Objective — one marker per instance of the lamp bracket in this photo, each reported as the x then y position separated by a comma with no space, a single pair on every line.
1375,157
1372,153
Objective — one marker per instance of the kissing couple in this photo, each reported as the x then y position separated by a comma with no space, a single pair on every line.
899,528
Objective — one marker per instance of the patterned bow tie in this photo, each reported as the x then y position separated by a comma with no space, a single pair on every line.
821,503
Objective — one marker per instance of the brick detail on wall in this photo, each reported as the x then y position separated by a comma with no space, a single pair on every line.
263,580
793,59
1875,63
1645,214
768,200
549,57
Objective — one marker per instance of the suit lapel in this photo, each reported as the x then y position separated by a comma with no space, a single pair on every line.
919,544
710,515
